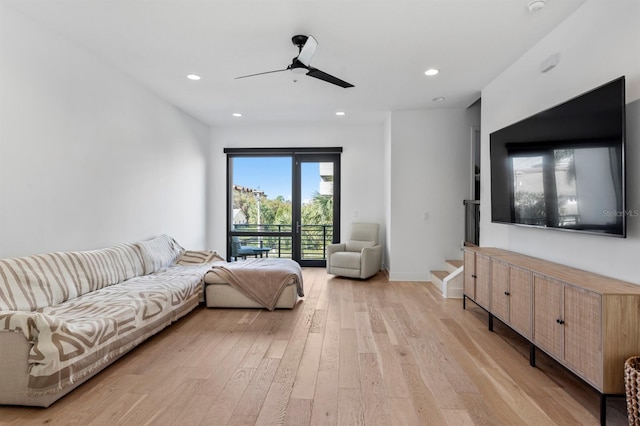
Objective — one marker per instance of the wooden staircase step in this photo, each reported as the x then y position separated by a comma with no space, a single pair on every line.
452,265
453,286
456,263
439,275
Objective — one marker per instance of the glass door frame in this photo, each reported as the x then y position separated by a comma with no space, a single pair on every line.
298,155
298,159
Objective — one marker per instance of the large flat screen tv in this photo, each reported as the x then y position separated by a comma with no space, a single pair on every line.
564,168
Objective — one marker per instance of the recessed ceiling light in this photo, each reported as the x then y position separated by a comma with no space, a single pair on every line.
237,114
193,77
431,72
341,113
438,99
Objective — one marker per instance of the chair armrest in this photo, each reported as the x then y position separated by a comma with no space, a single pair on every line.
333,248
371,261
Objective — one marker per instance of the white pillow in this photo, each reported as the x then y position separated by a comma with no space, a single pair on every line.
159,252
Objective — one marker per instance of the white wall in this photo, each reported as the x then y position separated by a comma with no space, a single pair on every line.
362,179
596,44
89,158
430,175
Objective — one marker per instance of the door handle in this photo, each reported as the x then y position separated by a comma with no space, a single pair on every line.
298,226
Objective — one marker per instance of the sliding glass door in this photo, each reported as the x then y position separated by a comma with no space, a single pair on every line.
283,203
316,206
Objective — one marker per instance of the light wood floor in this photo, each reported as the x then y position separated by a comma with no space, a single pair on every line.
353,352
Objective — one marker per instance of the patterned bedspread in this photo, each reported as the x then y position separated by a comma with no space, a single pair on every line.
74,338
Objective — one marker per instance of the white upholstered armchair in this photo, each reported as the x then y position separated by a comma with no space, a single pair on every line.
360,256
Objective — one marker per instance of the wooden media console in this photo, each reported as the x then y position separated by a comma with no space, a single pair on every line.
587,322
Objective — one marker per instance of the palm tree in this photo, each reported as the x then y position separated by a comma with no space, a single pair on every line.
319,211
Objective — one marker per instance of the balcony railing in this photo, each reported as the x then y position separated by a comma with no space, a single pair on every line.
313,239
472,221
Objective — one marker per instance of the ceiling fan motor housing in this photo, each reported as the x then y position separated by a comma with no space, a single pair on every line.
299,40
298,67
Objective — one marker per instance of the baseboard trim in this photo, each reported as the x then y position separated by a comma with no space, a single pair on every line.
407,277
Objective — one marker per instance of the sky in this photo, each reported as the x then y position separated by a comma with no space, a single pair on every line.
272,175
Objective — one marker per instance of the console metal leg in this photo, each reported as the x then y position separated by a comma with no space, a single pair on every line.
464,301
490,322
532,355
603,409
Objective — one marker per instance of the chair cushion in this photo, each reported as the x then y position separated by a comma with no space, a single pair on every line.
355,245
364,232
346,259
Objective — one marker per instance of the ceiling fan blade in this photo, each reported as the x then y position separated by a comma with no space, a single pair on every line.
306,53
261,73
314,72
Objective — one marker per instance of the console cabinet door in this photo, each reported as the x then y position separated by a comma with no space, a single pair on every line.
500,290
511,296
547,315
483,267
520,300
470,274
583,333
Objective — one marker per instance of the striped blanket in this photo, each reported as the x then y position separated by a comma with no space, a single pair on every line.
80,310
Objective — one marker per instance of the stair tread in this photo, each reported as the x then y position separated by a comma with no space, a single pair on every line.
456,263
440,274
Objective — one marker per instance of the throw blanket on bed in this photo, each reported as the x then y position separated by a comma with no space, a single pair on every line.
261,280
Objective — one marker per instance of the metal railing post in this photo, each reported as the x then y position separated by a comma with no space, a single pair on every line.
324,240
472,221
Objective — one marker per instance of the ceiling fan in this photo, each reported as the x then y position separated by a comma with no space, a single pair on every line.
300,64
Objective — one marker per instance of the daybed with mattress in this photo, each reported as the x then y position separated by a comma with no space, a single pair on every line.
272,283
66,316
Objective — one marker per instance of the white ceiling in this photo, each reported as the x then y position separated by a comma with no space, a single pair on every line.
382,47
